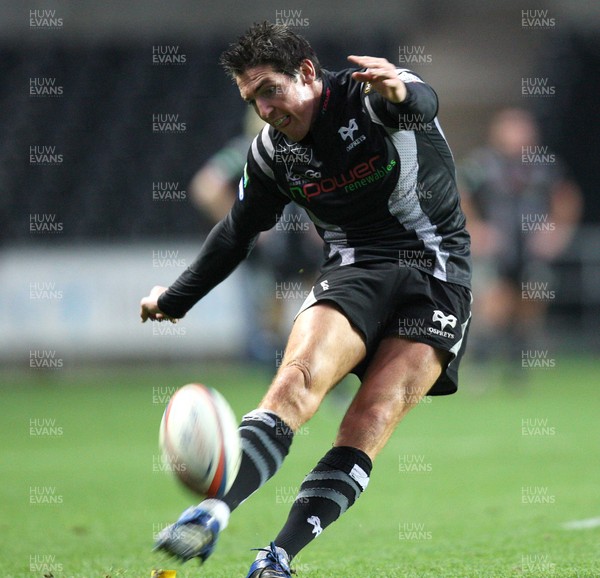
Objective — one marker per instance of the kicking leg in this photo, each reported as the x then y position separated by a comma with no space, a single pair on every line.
323,347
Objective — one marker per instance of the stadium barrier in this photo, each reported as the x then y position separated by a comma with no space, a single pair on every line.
83,302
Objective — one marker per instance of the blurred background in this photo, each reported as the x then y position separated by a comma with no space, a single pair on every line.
109,110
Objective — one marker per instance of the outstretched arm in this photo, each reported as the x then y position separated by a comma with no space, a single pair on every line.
229,243
224,249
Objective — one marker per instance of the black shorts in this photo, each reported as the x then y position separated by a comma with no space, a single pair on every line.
386,300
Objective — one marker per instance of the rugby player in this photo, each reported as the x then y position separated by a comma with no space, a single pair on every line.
362,151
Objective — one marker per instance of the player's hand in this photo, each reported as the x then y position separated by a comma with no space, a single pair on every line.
150,308
382,75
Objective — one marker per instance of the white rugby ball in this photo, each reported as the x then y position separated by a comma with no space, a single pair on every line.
199,440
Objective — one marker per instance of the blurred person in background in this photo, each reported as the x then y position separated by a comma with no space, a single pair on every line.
522,211
289,256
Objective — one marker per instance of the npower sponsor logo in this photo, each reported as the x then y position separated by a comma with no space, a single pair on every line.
358,176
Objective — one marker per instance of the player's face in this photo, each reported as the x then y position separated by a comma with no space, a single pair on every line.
287,103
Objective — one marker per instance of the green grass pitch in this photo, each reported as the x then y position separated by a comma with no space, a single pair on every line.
479,484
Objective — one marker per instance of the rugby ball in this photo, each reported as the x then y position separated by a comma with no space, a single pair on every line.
199,440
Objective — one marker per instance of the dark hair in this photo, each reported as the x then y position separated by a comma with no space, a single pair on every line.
267,43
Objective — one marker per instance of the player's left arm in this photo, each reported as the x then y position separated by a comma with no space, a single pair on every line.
256,209
403,91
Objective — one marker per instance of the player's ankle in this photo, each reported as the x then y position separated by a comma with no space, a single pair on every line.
218,509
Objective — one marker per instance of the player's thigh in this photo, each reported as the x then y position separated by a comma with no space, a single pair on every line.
324,340
400,374
323,347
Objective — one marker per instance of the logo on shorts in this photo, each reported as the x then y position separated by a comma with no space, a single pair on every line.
325,285
444,321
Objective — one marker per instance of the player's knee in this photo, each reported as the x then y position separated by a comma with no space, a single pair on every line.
294,389
373,420
298,370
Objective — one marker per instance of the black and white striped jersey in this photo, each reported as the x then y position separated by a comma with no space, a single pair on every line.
376,178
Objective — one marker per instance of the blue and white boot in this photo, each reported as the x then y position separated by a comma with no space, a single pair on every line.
271,562
195,533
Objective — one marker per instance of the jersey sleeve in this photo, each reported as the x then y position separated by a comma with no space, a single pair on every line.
257,208
418,108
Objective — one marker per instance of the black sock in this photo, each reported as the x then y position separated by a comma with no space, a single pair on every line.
266,440
325,494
